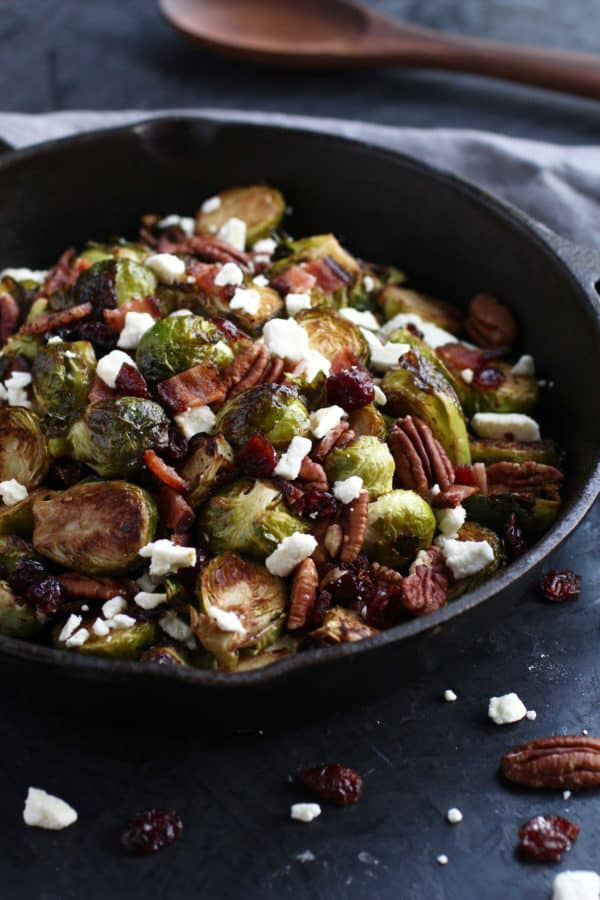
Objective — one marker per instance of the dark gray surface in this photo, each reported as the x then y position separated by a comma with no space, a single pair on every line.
419,755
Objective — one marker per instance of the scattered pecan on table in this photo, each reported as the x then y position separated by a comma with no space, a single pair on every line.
570,762
490,323
420,459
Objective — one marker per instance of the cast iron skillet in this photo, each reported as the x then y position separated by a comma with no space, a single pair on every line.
453,239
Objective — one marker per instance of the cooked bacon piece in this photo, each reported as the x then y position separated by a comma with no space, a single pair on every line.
131,383
211,249
82,587
62,275
459,356
9,316
329,276
100,391
198,386
174,511
204,275
295,280
164,473
53,320
115,318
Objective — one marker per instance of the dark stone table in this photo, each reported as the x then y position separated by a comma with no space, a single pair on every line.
418,754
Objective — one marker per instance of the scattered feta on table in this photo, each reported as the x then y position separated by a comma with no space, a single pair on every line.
442,859
43,810
149,600
348,490
305,812
136,326
287,339
233,232
165,556
576,885
186,223
506,426
289,553
109,366
566,795
454,816
229,273
212,204
506,709
245,299
290,462
295,302
226,620
525,365
12,491
196,420
465,558
450,696
363,319
449,521
167,267
324,419
531,715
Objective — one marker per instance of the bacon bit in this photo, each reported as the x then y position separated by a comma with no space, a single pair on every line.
115,318
164,473
53,320
82,587
355,527
174,510
232,332
9,316
303,594
131,383
295,280
328,278
459,356
62,275
204,275
198,386
211,249
100,391
82,265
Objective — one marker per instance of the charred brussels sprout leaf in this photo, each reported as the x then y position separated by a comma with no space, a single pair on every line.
16,618
248,517
12,550
124,643
474,531
259,206
367,457
23,448
336,338
341,626
113,435
95,528
113,282
62,376
178,343
230,584
210,460
395,299
534,515
490,451
274,411
400,524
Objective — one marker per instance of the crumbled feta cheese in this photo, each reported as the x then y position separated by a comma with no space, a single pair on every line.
230,273
323,420
465,558
432,334
54,339
566,795
531,715
506,426
289,553
467,375
450,696
12,491
295,302
506,709
44,810
363,319
576,885
260,281
100,628
306,855
368,284
24,274
136,326
180,312
147,600
305,812
266,245
225,620
454,816
71,625
380,399
196,420
435,490
77,639
165,556
347,490
147,583
450,520
233,232
291,461
442,859
287,339
524,366
246,299
114,606
167,267
13,389
175,627
85,607
212,204
109,366
186,223
383,356
120,621
315,363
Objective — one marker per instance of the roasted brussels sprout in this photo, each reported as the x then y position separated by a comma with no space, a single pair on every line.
490,451
400,524
112,435
285,646
368,421
62,376
120,643
474,531
94,253
418,388
209,462
534,515
23,447
18,518
259,206
16,618
249,517
367,457
214,303
319,246
165,655
504,393
341,626
178,343
242,608
12,550
337,339
394,299
113,282
19,344
275,411
96,528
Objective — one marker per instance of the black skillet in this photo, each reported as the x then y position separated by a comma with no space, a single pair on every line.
453,239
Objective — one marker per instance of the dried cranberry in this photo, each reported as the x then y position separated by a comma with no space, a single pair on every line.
351,388
381,608
489,378
46,595
131,382
412,328
546,838
257,457
316,615
177,446
27,572
99,334
151,831
559,586
464,475
65,473
514,539
334,783
315,505
350,584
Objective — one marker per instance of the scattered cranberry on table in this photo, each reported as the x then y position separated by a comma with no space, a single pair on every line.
151,831
559,586
333,782
546,838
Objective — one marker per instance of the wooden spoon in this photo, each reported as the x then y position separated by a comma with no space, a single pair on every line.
341,33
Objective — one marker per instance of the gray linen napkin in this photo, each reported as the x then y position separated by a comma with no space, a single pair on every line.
558,185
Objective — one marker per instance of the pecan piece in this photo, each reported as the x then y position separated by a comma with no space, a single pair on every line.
570,762
425,589
211,249
53,320
454,496
490,323
303,594
339,436
355,527
313,474
526,476
273,372
420,459
385,574
9,316
246,370
82,587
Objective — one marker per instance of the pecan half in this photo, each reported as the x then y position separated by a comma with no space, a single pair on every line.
303,594
333,539
570,762
247,369
313,474
273,372
211,249
355,527
420,459
526,476
384,573
490,323
53,320
9,316
339,436
83,587
425,589
454,496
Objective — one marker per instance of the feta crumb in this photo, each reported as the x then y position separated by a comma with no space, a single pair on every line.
315,363
149,600
576,885
180,312
175,627
368,284
77,639
363,319
167,267
245,299
291,461
383,356
506,426
348,490
233,232
305,812
449,521
196,420
306,856
43,810
285,338
186,223
109,366
54,339
13,389
230,273
12,491
450,696
524,366
266,245
584,731
465,558
467,375
85,607
531,715
120,621
146,583
506,709
432,334
114,606
72,623
136,326
226,620
324,419
566,795
295,302
24,274
100,628
289,553
380,399
435,490
442,859
212,204
454,816
260,281
165,556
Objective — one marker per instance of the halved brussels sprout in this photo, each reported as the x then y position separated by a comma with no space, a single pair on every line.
341,626
62,376
19,344
318,246
394,299
120,643
94,252
165,655
18,518
516,393
249,517
275,411
259,206
16,618
418,388
368,421
113,282
285,646
178,343
270,305
490,451
534,515
367,457
336,338
209,462
12,550
406,336
474,531
23,447
230,584
400,524
96,528
215,304
112,435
